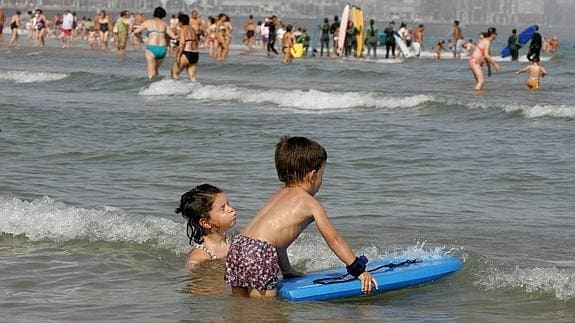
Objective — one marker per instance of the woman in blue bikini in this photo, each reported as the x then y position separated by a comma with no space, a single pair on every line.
156,48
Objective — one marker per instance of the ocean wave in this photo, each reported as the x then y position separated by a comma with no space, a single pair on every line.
31,76
313,100
553,280
311,252
168,87
48,220
539,110
528,111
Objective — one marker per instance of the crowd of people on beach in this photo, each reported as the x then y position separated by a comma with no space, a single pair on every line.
181,37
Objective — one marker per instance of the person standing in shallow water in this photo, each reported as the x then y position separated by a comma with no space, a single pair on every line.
15,24
156,48
187,51
535,45
371,38
2,21
513,43
480,55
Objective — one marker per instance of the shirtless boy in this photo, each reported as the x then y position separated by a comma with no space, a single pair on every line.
259,252
536,71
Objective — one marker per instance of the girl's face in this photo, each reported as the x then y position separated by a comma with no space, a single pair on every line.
222,215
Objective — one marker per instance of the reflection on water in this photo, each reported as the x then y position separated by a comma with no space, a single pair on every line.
207,278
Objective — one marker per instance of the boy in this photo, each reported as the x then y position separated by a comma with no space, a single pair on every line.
536,71
258,254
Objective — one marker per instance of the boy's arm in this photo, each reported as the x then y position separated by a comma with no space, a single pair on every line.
333,239
525,69
341,248
543,71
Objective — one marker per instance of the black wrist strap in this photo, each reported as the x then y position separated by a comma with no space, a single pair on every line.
357,267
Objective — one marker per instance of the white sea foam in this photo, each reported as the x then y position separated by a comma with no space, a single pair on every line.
168,87
311,252
528,111
46,219
557,281
312,100
31,77
538,111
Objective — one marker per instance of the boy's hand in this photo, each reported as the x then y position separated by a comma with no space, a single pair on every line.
366,280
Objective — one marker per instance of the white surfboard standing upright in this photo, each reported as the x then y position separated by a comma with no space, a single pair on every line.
342,31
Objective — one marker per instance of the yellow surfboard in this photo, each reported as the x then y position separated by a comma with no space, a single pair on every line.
297,50
357,19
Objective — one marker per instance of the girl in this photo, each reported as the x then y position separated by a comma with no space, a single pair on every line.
209,216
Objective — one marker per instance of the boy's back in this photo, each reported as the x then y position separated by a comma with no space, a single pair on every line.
283,217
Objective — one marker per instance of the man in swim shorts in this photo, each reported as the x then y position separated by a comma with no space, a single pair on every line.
67,26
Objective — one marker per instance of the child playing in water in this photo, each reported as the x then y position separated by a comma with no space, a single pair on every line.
209,215
259,252
536,71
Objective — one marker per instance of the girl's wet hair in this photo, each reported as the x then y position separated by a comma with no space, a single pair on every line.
196,204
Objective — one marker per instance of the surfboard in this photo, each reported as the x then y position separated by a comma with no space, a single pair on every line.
297,50
342,31
523,38
357,19
316,32
390,275
404,50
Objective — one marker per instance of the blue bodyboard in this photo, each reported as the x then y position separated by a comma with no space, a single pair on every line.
308,288
523,38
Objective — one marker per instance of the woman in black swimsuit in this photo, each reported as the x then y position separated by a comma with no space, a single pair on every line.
187,55
14,26
105,23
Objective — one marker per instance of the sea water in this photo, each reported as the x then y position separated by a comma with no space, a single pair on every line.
94,158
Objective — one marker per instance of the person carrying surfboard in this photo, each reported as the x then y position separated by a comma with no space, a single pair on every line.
259,252
535,45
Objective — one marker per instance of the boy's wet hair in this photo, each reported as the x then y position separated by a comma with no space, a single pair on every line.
296,156
195,205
